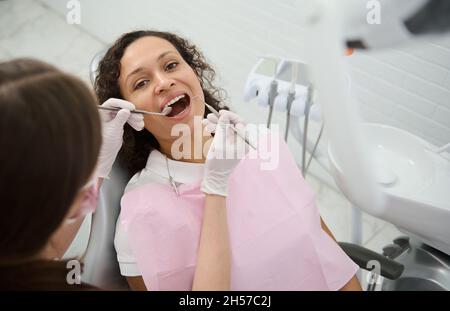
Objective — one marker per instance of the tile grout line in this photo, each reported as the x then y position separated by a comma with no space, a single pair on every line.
376,233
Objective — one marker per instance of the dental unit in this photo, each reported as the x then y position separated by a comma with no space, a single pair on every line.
294,97
382,170
283,99
265,91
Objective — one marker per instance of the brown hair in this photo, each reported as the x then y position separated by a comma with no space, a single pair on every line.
138,144
50,137
39,275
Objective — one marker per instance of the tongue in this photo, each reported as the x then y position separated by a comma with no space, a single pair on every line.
178,107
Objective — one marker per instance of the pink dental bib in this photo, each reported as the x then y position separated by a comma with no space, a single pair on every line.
276,239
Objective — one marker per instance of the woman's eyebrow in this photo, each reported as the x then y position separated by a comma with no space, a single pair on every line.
164,54
140,69
135,71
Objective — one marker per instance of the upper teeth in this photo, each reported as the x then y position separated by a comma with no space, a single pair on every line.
173,101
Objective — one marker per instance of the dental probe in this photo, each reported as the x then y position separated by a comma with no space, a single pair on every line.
216,113
165,111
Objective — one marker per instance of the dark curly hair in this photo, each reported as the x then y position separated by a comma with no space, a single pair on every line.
138,144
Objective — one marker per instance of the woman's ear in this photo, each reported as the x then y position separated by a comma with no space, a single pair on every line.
61,239
85,202
74,212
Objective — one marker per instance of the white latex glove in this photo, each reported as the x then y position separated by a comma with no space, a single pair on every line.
225,152
112,132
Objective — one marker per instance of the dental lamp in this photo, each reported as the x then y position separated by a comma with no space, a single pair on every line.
375,24
415,201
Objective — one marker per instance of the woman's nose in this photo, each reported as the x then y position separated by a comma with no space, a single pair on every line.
164,83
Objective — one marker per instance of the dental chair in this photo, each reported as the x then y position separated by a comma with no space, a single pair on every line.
100,260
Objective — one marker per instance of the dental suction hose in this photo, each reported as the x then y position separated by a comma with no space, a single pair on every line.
308,105
273,92
290,99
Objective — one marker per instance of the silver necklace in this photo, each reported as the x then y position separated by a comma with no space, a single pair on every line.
172,182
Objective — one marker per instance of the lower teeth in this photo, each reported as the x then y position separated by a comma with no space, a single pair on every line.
177,111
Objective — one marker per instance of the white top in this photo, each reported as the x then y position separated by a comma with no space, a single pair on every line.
155,171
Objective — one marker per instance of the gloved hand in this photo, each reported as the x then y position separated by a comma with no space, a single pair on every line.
112,132
225,152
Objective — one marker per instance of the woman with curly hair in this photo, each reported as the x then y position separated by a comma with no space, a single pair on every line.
185,224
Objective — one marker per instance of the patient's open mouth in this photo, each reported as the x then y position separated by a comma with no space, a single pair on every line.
178,105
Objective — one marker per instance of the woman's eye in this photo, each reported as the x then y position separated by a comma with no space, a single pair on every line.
171,66
140,84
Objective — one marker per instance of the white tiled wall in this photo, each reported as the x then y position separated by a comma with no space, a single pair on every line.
408,88
29,29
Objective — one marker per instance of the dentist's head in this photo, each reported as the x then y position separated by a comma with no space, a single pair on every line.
152,69
50,137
